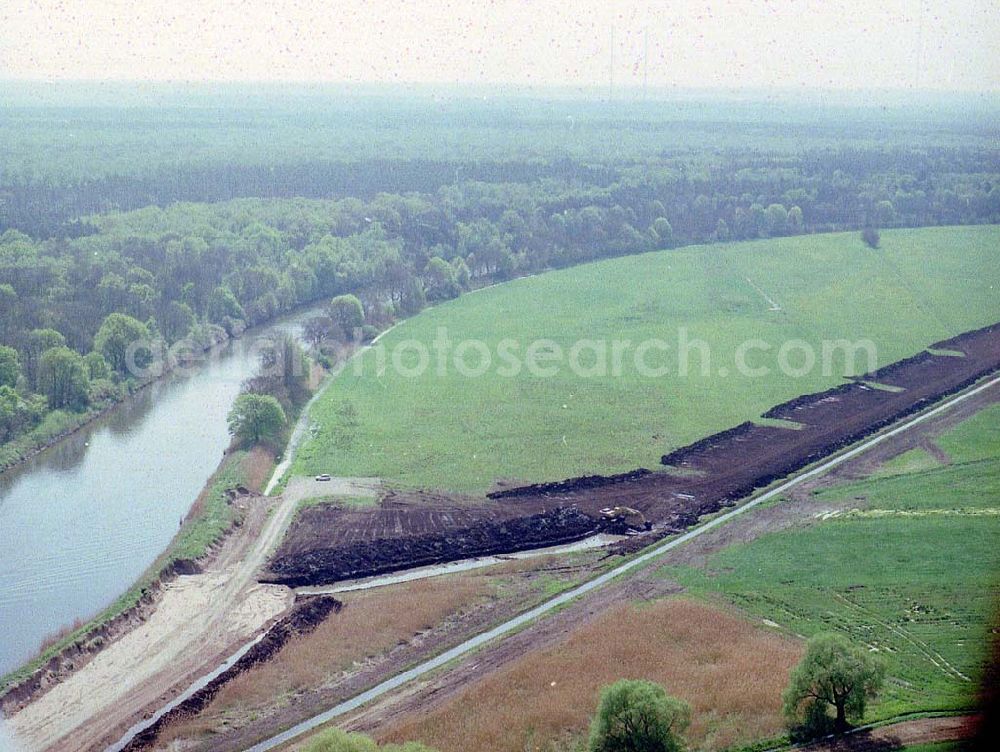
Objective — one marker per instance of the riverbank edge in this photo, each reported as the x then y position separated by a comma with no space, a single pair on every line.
133,607
55,662
33,446
191,548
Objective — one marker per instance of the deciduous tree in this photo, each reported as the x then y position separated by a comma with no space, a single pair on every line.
835,674
347,313
39,340
62,378
638,716
117,334
10,366
442,283
664,233
255,418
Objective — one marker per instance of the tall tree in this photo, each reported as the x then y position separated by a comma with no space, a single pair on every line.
347,313
256,418
223,306
117,335
835,674
663,232
638,716
39,340
10,366
18,414
62,378
442,282
796,222
777,220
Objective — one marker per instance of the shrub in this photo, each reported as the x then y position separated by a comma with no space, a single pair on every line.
336,740
638,716
833,674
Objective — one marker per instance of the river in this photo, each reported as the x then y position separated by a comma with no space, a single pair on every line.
80,522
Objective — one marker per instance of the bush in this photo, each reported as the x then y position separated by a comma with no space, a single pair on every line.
638,716
834,674
336,740
871,237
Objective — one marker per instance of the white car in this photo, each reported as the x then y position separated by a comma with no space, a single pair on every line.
324,476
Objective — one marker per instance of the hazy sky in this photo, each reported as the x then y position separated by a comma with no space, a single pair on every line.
948,44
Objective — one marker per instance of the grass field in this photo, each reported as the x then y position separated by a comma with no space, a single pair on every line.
912,572
462,433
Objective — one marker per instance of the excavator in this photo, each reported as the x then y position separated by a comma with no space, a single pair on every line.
622,519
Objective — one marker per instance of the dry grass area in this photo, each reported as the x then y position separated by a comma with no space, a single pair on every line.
258,466
370,624
731,671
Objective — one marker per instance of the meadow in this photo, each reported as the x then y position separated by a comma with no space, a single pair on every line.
447,430
910,569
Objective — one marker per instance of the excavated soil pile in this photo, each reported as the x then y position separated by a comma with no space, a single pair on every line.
327,544
573,484
304,618
419,543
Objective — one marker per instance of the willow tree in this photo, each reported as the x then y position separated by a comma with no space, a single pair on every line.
834,675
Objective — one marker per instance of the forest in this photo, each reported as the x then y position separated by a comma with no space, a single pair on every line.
202,222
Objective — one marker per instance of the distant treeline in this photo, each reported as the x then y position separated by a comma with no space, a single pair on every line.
836,188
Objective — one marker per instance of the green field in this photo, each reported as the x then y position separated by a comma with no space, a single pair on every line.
462,433
912,572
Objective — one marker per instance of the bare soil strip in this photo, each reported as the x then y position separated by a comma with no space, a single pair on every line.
302,619
900,735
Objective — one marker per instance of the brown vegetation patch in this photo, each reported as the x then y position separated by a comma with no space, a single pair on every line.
730,671
257,467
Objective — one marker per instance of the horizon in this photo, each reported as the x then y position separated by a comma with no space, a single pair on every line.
846,45
130,93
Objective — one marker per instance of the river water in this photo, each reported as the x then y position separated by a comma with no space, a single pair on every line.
80,522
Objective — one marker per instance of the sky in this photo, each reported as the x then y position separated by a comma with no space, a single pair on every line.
947,45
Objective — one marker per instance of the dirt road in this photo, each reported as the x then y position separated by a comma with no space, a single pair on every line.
199,620
422,697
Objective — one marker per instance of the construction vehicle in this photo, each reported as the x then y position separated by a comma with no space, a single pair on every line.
623,519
